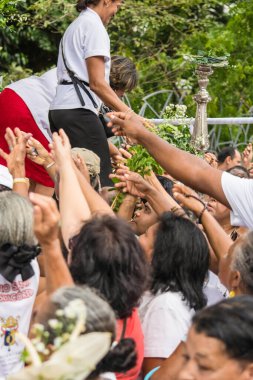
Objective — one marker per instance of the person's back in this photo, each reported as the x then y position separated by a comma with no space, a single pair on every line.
38,92
19,277
107,256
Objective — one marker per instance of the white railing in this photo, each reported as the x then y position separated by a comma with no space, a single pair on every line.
210,121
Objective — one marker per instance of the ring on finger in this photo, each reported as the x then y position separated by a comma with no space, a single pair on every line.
34,152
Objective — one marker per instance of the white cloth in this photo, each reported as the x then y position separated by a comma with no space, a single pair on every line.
214,290
239,193
165,320
85,37
38,93
108,376
16,304
5,177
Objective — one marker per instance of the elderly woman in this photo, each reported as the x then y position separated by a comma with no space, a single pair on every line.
19,276
220,341
235,260
99,317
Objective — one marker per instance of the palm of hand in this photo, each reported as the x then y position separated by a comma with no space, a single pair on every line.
16,157
187,198
137,186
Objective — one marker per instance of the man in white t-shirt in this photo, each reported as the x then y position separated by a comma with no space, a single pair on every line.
234,192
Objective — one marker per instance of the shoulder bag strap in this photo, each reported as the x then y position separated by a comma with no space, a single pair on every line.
78,83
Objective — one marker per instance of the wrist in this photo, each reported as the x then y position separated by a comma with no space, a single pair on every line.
151,192
49,245
47,161
18,172
143,135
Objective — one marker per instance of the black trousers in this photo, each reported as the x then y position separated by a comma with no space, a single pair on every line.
84,130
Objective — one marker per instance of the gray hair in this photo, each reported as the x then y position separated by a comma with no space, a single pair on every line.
16,220
243,260
100,316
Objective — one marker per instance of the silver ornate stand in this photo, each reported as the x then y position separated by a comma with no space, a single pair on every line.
200,132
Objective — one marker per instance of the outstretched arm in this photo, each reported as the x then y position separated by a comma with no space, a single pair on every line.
46,229
183,166
73,205
95,202
217,237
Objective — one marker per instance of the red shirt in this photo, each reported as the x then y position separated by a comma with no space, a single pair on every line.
134,331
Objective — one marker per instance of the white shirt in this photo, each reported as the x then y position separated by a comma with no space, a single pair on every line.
214,290
85,37
239,193
38,93
16,304
165,320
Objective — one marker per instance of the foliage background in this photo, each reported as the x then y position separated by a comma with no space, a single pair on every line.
155,34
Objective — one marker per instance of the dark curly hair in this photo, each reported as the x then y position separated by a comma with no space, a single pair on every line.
180,259
107,256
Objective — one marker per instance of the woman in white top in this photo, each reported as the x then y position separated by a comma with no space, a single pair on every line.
179,257
83,75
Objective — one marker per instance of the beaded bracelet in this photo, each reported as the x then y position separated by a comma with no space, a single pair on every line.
175,209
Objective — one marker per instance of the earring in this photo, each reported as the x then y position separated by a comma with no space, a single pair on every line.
231,294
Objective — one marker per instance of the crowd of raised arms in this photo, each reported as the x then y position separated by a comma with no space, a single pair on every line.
160,289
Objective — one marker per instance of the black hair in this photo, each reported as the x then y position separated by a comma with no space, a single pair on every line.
107,256
83,4
166,183
229,321
180,259
120,358
226,152
243,172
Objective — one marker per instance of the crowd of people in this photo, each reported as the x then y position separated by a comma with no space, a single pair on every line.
162,288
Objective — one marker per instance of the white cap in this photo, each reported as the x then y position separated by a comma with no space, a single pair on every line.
5,177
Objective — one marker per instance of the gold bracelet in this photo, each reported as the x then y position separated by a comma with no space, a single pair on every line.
21,180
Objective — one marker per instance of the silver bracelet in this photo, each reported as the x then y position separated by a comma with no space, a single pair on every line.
50,165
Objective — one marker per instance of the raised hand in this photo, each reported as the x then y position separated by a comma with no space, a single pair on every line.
132,183
17,145
247,156
61,148
211,159
129,125
121,159
46,219
36,152
81,166
187,198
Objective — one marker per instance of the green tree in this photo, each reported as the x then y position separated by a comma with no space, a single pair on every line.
155,34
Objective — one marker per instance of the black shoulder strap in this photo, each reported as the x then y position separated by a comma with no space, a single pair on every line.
78,82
